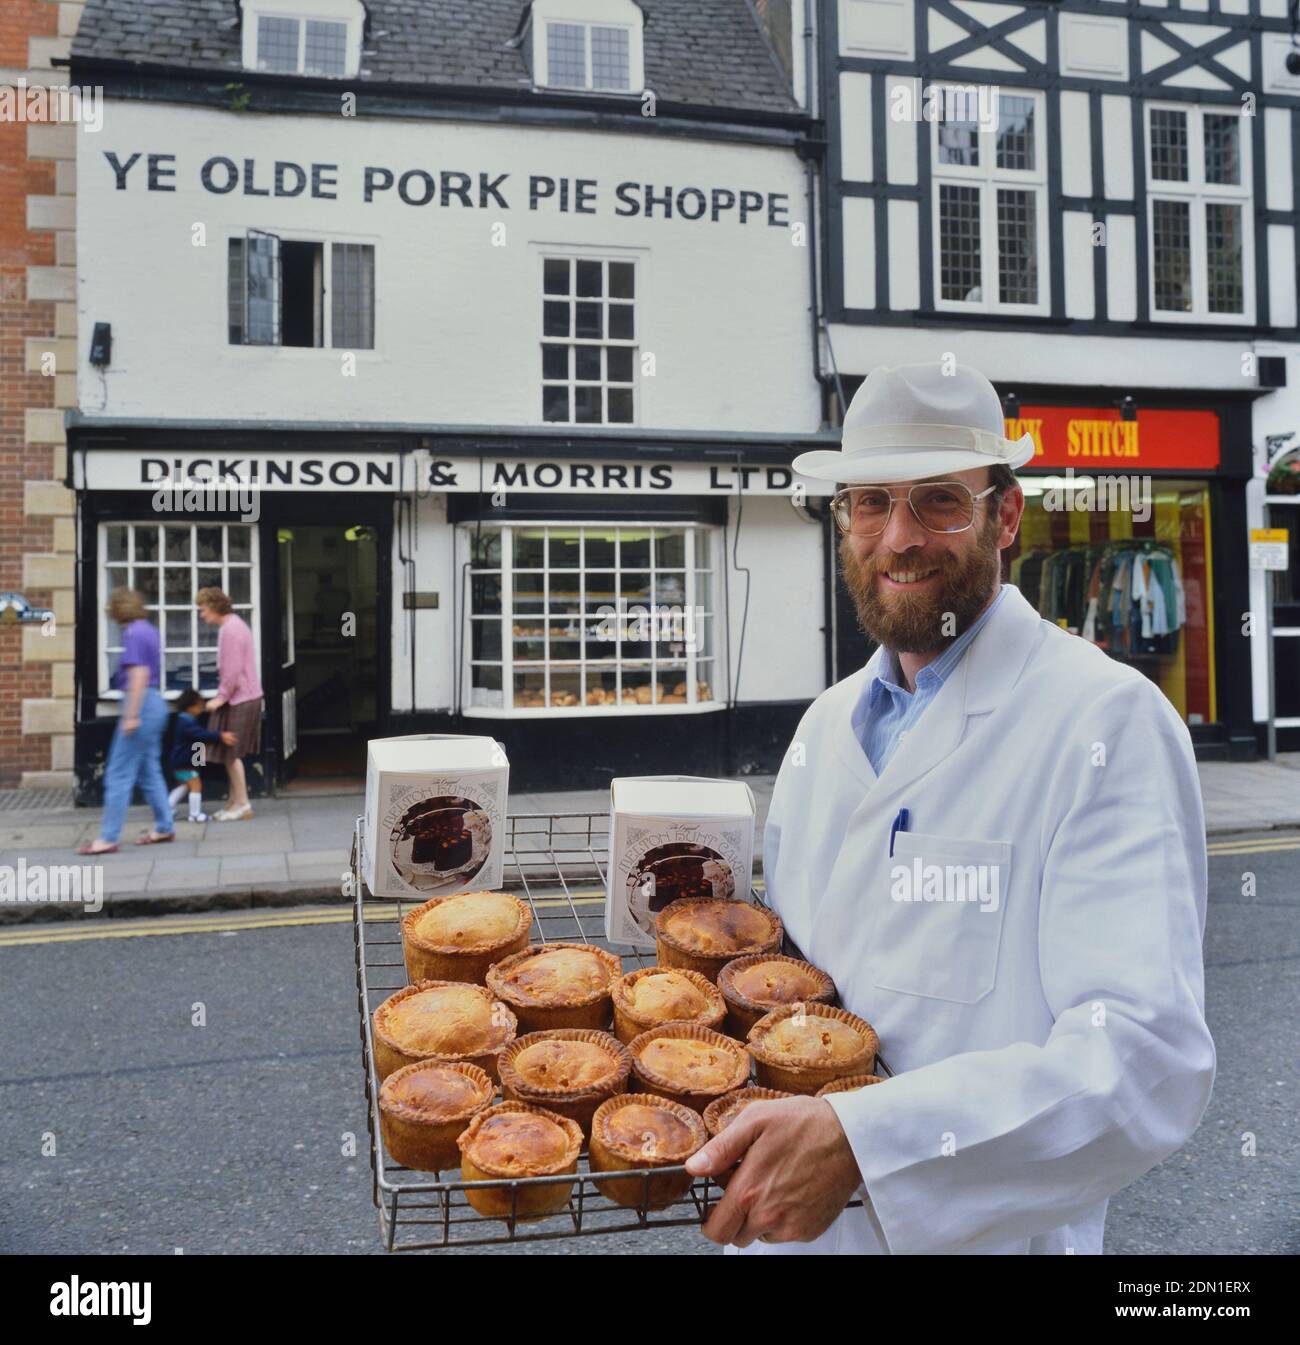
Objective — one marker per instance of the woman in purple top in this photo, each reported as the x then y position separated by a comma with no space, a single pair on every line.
135,754
238,702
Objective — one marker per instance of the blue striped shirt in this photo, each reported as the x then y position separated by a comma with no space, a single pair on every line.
886,709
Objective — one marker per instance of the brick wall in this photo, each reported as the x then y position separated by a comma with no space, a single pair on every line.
37,382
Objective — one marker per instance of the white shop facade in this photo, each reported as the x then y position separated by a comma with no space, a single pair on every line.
483,428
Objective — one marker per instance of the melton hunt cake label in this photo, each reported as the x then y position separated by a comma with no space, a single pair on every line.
438,838
687,860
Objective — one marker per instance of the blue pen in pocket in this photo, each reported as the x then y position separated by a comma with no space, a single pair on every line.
900,824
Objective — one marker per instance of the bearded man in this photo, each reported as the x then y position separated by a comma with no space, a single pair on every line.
992,838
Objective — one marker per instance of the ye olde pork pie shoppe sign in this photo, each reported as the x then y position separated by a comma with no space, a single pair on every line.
427,472
224,175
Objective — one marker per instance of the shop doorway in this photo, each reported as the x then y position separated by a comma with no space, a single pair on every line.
329,674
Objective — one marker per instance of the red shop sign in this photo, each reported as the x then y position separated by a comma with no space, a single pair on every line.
1087,438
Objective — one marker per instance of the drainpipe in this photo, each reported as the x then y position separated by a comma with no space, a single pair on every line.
810,179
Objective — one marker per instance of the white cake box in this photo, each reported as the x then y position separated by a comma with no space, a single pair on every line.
674,836
435,818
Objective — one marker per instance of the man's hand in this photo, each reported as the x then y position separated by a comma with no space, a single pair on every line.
130,724
797,1175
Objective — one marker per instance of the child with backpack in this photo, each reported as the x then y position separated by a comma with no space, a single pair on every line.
185,733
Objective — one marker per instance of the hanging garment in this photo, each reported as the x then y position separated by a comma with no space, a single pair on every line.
1139,595
1120,601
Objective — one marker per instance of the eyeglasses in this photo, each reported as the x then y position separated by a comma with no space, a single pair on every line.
940,506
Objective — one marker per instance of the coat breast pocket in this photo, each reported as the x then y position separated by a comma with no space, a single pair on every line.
938,925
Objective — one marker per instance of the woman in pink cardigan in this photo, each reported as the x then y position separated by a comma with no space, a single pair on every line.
238,700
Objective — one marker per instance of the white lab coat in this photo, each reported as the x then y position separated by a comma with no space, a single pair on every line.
1048,1052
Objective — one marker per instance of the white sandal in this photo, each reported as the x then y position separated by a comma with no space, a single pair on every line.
235,814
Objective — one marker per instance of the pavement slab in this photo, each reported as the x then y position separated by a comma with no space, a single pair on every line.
271,867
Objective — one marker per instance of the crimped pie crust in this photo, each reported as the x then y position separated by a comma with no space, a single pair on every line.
678,1088
468,1142
711,909
432,1110
501,977
411,920
420,1122
633,1153
615,1081
799,1072
624,988
850,1084
735,969
720,1113
502,1018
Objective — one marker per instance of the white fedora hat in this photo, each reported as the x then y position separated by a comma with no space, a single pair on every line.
915,421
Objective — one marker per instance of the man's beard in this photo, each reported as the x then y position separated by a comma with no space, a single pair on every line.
921,623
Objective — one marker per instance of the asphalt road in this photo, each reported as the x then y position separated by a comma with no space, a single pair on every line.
227,1128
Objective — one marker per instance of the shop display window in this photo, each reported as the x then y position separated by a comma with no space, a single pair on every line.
594,617
168,563
1134,580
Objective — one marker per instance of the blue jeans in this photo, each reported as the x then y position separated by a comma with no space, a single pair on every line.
136,759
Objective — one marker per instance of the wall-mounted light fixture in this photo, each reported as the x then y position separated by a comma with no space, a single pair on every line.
101,345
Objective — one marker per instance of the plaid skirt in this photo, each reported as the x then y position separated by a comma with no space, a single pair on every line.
245,722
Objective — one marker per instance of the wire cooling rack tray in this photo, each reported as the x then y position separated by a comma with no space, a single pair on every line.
556,861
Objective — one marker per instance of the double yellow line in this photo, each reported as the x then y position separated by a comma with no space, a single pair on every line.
1253,845
78,930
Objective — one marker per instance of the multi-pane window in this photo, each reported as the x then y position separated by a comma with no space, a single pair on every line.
1172,255
990,216
1168,145
277,44
601,616
302,46
167,563
959,241
566,54
352,296
587,56
278,292
609,63
588,341
324,48
1199,193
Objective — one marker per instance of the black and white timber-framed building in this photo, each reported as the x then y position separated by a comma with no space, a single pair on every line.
1097,203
